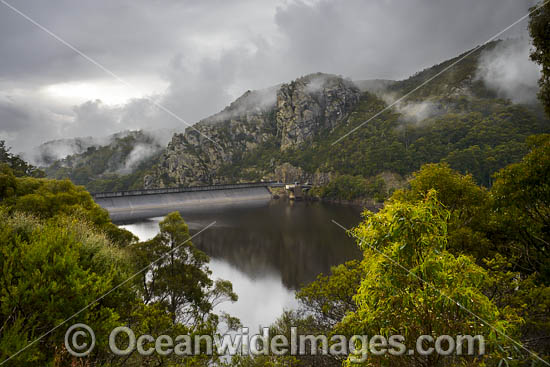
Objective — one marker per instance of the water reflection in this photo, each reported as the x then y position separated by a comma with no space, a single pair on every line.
268,252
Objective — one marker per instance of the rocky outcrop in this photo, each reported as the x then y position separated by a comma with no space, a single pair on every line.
286,115
311,104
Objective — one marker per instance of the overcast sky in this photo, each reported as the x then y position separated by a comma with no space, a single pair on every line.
195,57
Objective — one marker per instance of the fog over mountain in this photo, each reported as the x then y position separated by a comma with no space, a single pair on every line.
508,71
194,58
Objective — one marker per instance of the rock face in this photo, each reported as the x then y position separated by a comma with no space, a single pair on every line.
288,115
311,104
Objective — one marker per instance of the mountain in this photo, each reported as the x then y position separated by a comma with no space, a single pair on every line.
374,85
49,152
288,132
285,116
292,132
116,162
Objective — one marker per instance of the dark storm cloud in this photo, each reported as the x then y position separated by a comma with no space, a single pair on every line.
210,52
390,38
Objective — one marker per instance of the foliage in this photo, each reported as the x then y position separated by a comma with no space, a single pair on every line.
181,279
522,195
51,270
48,198
539,28
103,168
19,166
408,268
61,259
348,187
329,298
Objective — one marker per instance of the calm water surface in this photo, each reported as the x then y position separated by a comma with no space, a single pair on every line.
268,251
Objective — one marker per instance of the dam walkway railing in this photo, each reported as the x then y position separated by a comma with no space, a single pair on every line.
172,190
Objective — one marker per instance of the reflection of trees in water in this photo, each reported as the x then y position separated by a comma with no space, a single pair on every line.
299,242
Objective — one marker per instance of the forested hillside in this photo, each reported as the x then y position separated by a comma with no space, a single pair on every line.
118,165
456,118
291,132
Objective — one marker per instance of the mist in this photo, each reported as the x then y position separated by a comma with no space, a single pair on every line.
413,112
250,102
55,150
508,71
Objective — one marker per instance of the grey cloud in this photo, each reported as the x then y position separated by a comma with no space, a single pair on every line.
389,39
210,52
13,117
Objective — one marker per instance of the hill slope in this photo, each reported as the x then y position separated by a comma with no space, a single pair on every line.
287,132
455,118
119,164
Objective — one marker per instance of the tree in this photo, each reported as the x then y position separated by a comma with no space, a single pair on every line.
180,277
539,27
414,286
329,298
469,207
522,195
47,198
52,269
18,165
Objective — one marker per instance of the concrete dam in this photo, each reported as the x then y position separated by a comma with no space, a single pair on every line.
138,204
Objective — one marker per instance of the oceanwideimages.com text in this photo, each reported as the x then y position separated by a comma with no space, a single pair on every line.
80,341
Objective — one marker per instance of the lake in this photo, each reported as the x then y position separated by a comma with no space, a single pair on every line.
268,251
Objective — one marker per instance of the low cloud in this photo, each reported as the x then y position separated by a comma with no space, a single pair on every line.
508,71
251,101
140,153
53,150
208,53
415,112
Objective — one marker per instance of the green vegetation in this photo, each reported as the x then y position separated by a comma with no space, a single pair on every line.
61,257
53,269
103,168
349,188
435,291
539,27
18,166
440,250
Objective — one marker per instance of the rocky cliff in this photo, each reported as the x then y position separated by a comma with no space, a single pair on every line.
287,115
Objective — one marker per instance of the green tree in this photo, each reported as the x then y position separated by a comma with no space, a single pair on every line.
539,27
19,166
329,298
469,207
52,269
414,286
503,229
522,195
180,279
47,198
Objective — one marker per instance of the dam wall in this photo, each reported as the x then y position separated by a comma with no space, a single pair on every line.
132,205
